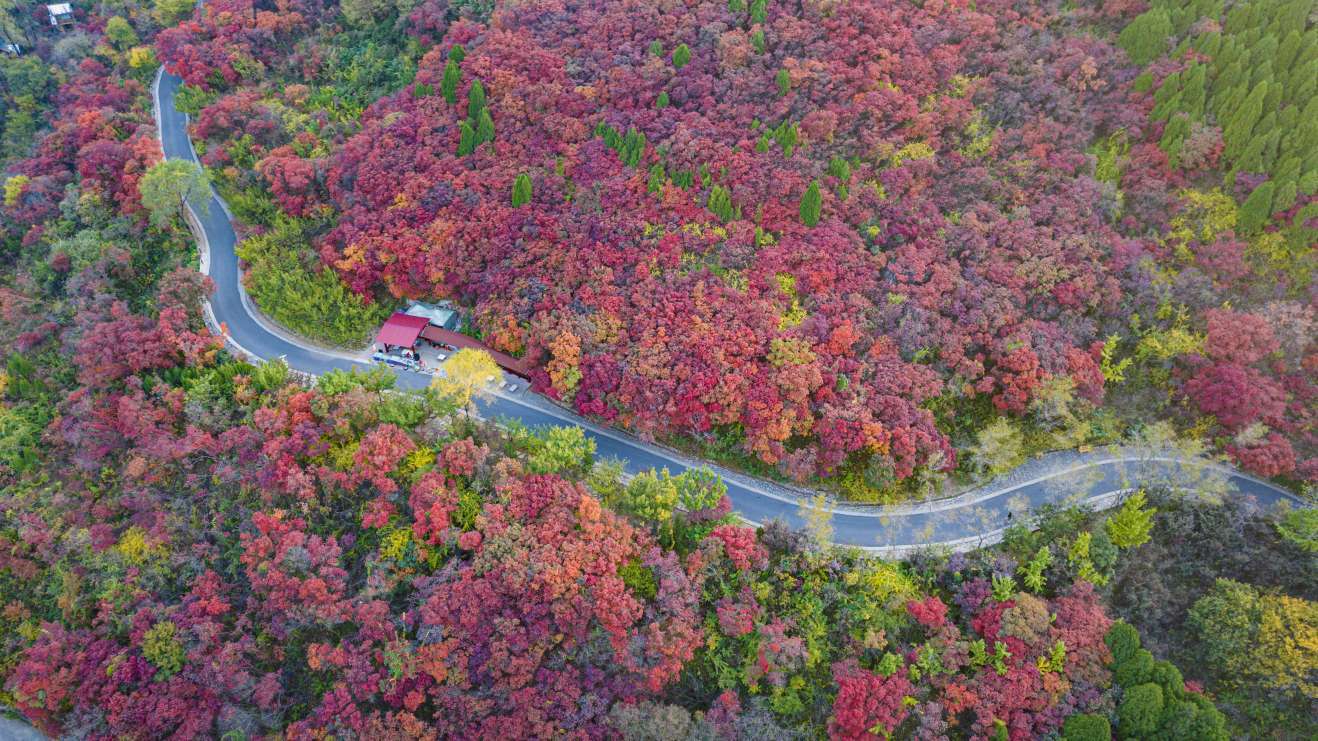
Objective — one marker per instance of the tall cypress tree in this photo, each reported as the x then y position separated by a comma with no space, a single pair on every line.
1237,132
1145,38
811,204
475,100
466,139
521,190
449,86
784,82
1257,209
485,127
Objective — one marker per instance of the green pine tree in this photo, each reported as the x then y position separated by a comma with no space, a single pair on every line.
1174,136
840,169
485,127
448,87
1145,37
720,203
475,100
1193,93
681,55
1257,209
657,178
521,190
786,136
784,82
466,139
1287,192
657,48
757,41
811,204
1236,134
759,11
662,101
633,148
457,53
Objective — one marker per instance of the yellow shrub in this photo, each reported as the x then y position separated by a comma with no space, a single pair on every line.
134,547
14,188
1207,214
141,56
913,151
393,546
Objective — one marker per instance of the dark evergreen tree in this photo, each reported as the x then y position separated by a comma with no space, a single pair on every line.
811,204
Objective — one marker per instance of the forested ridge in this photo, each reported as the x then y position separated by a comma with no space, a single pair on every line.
862,244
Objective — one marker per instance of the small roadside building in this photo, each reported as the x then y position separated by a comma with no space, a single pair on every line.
439,315
401,331
60,15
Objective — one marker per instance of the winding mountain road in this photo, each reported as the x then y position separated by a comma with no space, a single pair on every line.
971,519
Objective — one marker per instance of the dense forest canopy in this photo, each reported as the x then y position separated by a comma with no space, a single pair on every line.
831,239
865,243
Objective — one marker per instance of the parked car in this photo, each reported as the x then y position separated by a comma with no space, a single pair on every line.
398,360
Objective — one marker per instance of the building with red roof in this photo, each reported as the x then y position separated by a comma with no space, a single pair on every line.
401,330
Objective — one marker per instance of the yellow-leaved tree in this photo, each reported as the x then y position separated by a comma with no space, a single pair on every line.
468,375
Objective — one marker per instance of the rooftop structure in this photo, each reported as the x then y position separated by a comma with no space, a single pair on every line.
401,330
60,15
440,316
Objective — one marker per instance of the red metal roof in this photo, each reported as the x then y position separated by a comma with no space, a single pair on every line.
401,329
443,336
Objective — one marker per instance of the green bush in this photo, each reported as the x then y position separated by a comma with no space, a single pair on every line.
1137,670
1192,720
1123,641
1087,727
1140,712
1167,676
